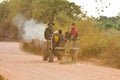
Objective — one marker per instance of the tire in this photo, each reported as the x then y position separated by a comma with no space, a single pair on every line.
51,56
45,56
59,56
46,51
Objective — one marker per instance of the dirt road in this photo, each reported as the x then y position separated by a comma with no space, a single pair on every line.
17,65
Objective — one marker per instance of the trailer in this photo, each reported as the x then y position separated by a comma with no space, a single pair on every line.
67,52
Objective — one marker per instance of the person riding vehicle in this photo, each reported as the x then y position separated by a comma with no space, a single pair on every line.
48,35
74,32
48,31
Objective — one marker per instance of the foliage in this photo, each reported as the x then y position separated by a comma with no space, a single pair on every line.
7,30
107,23
45,10
99,44
40,10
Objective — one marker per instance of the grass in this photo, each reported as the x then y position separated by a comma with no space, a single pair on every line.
34,47
2,78
100,45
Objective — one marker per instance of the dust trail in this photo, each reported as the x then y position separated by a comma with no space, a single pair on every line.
33,31
29,29
19,21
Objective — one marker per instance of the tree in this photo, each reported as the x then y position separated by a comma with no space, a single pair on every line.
4,12
49,10
40,10
109,22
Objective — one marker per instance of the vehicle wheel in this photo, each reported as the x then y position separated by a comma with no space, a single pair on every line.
59,56
51,56
45,55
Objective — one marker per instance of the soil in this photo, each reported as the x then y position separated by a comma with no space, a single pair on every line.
18,65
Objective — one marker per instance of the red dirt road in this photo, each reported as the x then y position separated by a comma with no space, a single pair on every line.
17,65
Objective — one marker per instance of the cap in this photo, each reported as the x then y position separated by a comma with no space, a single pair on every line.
56,32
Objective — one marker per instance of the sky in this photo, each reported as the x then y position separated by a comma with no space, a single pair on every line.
1,0
90,5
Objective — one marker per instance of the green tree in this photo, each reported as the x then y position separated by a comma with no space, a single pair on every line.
40,10
109,22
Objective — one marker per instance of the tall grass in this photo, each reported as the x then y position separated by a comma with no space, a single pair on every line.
1,78
99,44
34,47
8,32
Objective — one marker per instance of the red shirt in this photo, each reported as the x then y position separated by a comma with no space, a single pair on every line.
74,31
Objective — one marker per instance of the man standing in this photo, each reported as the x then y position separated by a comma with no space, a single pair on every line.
48,35
48,31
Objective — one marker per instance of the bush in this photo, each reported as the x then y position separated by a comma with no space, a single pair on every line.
34,47
111,55
99,44
2,78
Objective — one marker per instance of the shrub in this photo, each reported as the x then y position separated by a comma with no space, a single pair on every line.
2,78
99,44
34,47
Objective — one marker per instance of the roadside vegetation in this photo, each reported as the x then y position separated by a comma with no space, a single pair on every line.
99,45
1,78
99,37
